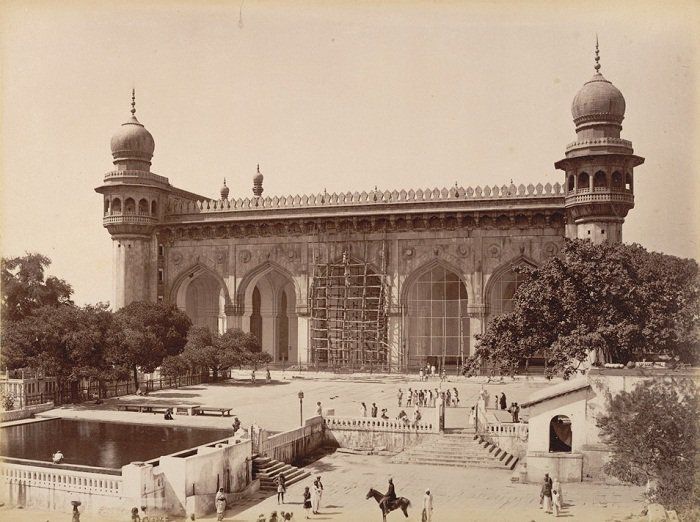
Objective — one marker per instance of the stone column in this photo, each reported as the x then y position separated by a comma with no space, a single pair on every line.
394,339
303,356
477,323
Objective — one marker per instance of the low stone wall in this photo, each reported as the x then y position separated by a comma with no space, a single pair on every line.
567,467
25,413
290,446
372,433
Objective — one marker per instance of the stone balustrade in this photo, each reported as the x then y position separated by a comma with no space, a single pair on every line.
61,479
377,424
142,174
132,219
592,197
369,198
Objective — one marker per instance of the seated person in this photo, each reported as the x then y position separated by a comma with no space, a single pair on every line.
384,415
402,416
236,424
168,414
57,457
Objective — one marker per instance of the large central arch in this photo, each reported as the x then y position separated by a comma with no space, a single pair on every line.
436,323
267,297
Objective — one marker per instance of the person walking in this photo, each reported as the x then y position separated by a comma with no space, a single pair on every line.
546,494
427,506
399,396
374,409
420,375
363,409
281,488
484,394
409,398
516,412
556,484
556,498
220,503
318,492
307,500
504,403
268,377
252,376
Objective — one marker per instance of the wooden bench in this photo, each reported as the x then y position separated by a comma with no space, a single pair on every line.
224,412
144,408
129,407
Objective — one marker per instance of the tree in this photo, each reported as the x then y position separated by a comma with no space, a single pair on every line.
617,301
652,432
144,334
25,287
219,352
64,341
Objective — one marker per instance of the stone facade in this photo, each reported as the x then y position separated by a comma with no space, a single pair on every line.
251,262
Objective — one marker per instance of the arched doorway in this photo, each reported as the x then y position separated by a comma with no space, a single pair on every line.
201,294
436,322
560,434
269,300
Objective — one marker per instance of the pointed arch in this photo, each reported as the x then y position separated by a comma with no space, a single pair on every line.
195,270
503,270
427,267
245,287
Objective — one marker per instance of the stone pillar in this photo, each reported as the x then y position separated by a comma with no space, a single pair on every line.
394,340
477,323
135,271
303,355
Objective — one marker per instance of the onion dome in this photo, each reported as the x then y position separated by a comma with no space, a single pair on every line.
598,100
132,141
224,191
258,183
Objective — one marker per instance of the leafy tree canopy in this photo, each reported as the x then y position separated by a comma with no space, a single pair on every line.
218,352
145,333
619,301
63,341
26,288
653,434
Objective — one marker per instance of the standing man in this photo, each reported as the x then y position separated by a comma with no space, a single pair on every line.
409,398
399,396
363,409
318,492
374,409
504,404
220,503
319,409
427,506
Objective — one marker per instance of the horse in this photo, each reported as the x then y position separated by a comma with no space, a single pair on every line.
400,502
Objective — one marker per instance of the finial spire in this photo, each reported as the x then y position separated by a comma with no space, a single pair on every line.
133,102
597,55
258,168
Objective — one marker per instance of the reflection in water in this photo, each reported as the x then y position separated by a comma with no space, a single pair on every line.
103,444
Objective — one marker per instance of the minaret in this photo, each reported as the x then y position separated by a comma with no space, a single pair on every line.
599,164
134,199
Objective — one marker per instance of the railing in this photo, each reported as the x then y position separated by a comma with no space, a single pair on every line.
369,198
131,219
289,437
599,141
588,196
106,390
135,174
61,479
377,424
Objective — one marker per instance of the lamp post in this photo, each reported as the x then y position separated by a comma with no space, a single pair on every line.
301,405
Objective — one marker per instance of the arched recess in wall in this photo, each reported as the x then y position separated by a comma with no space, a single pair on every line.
203,296
267,297
560,434
129,206
502,285
436,322
116,205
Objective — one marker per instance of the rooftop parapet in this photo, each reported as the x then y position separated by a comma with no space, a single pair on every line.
373,197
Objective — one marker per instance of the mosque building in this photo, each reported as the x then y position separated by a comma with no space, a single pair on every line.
390,278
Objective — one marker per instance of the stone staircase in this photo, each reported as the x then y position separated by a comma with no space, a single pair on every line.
462,449
267,470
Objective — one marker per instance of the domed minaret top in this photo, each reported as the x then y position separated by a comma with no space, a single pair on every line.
258,183
224,191
132,146
598,104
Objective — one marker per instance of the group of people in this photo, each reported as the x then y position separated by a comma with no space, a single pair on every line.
551,496
268,377
431,371
403,416
427,398
374,411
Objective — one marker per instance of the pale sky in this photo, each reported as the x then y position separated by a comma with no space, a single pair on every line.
335,95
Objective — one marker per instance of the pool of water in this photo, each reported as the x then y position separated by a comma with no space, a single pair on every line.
103,444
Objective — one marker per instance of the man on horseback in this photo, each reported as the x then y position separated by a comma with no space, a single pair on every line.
388,498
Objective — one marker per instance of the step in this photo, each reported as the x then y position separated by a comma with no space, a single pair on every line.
296,478
292,472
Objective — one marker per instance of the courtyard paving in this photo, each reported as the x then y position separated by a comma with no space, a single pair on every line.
459,493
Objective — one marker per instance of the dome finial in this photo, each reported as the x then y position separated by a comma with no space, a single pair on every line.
597,55
224,191
133,102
